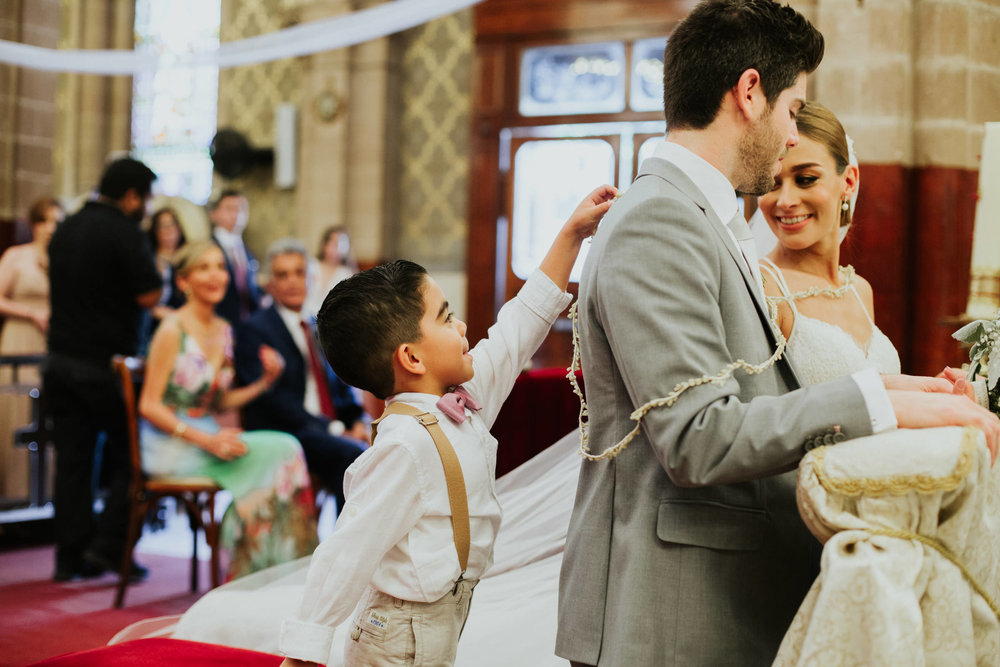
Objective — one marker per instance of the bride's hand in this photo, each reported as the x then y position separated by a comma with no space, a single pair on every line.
936,385
960,385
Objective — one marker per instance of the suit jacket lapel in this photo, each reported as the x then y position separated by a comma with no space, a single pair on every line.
294,363
672,174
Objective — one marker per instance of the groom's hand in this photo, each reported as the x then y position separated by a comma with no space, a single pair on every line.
915,409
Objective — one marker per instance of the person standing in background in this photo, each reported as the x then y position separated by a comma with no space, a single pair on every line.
229,215
24,304
102,276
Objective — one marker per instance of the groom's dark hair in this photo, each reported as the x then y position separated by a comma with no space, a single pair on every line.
366,317
710,49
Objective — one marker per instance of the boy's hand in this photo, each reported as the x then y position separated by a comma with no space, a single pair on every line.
583,221
558,261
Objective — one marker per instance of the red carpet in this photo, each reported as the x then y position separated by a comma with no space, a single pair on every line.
40,618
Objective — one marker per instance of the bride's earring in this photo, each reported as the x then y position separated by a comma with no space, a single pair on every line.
845,206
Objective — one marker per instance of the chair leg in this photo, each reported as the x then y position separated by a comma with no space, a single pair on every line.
194,523
136,514
212,537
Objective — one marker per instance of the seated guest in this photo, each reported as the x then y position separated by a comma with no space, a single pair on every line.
165,235
308,400
189,373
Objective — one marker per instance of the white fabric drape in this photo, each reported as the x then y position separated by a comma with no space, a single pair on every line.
323,35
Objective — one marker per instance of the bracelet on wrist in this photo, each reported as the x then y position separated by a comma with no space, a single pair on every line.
180,428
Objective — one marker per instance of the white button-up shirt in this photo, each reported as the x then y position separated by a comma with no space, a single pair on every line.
293,322
721,197
395,529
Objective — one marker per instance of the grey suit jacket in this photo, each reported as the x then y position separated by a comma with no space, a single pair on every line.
687,548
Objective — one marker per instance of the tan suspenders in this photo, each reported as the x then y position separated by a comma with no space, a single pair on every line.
454,478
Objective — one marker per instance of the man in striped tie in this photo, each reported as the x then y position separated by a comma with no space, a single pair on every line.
308,400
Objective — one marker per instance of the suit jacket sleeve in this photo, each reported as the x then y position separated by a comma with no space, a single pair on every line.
662,291
277,407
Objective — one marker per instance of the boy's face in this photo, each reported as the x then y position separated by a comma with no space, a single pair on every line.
443,344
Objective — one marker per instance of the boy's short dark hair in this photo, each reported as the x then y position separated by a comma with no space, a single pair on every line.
123,175
710,49
366,317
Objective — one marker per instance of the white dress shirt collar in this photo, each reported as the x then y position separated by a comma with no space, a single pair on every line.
719,192
226,238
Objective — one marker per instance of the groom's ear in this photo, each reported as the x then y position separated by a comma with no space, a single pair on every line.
749,94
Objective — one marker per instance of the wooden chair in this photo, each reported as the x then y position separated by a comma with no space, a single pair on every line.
196,493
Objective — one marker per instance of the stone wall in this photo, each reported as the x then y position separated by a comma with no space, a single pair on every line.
28,107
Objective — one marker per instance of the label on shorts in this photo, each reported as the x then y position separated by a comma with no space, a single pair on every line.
377,620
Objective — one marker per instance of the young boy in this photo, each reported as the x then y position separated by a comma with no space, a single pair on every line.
397,546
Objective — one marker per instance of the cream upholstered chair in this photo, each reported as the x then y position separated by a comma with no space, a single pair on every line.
197,494
911,538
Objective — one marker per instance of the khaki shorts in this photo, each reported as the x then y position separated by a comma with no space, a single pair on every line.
390,631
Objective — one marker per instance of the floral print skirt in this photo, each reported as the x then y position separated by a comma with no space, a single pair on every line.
272,518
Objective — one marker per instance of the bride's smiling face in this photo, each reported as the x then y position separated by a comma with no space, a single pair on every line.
804,207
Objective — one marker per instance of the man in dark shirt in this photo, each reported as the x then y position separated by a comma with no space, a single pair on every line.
102,276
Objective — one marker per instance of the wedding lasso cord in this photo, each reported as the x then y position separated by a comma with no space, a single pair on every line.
670,399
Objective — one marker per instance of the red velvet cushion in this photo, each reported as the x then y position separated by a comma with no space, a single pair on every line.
148,652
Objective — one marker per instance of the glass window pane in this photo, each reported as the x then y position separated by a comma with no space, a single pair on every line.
573,79
175,109
550,179
647,74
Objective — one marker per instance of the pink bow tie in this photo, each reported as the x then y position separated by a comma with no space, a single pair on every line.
454,403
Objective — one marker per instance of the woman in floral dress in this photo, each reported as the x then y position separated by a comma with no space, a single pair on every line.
189,373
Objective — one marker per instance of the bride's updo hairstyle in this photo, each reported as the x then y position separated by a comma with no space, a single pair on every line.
188,255
819,124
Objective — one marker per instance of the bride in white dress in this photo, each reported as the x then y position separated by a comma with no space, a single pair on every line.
824,310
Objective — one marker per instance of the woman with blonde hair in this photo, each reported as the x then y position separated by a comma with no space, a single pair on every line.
189,374
824,310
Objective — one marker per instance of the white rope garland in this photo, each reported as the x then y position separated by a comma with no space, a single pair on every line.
670,399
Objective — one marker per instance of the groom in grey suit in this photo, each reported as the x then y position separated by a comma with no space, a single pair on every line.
686,547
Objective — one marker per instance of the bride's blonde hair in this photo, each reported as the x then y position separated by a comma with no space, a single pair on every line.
819,124
188,255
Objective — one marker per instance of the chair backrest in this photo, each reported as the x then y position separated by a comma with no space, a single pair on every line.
130,371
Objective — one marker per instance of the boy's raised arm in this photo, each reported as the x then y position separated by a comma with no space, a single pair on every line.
582,223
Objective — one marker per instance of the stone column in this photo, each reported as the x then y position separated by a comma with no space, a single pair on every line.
347,166
323,128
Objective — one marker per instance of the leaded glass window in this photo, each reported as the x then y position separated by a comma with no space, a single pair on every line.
174,109
573,79
647,75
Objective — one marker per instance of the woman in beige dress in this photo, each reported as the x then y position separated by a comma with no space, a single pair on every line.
24,305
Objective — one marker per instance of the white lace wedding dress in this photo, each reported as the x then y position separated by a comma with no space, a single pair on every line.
822,351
